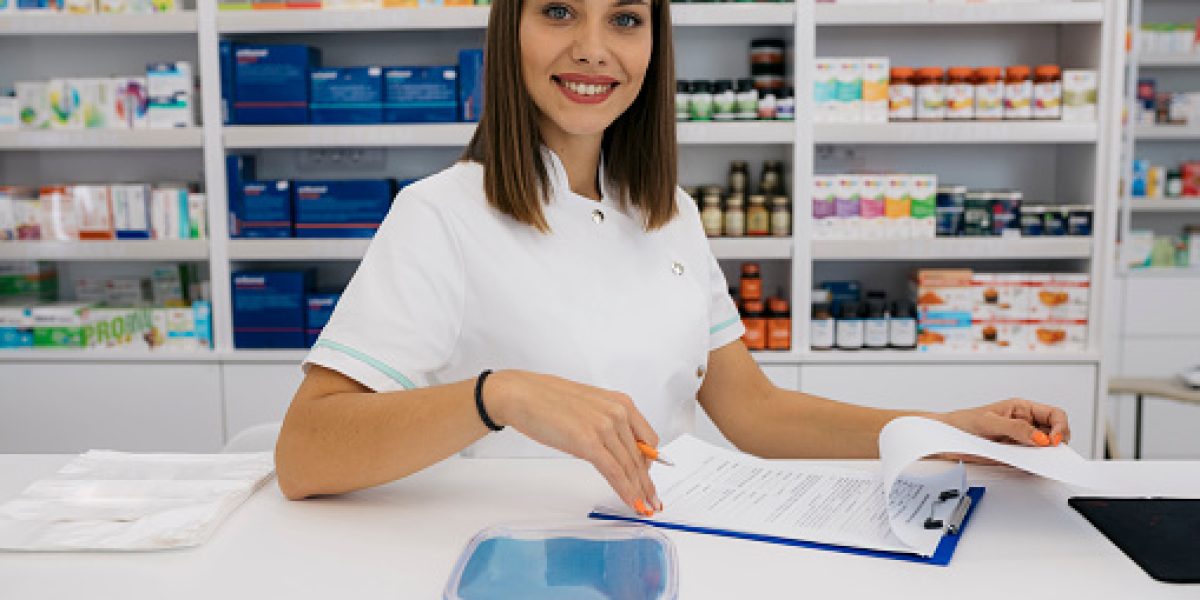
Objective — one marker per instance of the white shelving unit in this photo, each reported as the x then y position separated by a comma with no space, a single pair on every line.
1053,158
954,249
99,25
1168,133
1168,62
1165,205
102,139
101,250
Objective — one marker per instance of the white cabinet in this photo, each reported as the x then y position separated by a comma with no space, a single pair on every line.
257,393
60,407
949,387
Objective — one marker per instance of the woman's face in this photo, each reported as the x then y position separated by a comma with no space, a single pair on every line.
584,61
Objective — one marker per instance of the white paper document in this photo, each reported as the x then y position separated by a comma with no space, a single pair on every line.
883,507
105,500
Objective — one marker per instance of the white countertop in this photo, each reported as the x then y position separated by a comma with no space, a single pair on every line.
400,541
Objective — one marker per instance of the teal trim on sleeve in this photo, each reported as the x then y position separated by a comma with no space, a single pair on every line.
396,376
722,325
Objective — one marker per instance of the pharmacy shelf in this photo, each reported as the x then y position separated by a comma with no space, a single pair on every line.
963,248
1171,62
1165,204
993,13
101,25
470,17
106,250
298,249
914,357
736,133
1168,133
78,355
343,136
971,132
109,139
765,248
458,134
1163,273
285,21
353,249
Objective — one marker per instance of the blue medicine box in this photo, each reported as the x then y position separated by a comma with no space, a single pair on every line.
341,209
346,95
270,83
317,310
265,209
470,84
238,170
268,308
420,95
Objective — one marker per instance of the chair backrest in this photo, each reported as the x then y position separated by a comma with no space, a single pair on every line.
259,438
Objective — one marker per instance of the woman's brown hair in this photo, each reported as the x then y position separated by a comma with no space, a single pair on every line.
638,148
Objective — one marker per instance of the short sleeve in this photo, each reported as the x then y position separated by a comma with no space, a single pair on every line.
399,318
724,322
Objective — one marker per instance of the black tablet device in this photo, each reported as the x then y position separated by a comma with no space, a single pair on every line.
1161,535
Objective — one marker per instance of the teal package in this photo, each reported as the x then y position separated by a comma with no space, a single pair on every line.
346,95
16,337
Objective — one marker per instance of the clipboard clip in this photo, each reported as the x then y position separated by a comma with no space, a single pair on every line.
954,523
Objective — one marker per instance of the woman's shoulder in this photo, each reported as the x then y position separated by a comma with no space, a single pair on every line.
456,186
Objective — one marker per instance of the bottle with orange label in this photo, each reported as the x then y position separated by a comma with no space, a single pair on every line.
1018,92
779,324
1047,92
754,319
960,94
989,94
751,285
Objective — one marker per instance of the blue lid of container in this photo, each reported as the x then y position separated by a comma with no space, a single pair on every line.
569,560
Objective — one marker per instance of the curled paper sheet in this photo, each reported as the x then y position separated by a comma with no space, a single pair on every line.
906,440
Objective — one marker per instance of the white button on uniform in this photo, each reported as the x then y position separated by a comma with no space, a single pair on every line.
677,268
598,216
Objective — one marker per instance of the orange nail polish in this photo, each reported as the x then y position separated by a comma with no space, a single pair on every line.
1040,439
1056,439
639,506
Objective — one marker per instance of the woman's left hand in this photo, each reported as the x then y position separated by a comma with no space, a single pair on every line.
1016,421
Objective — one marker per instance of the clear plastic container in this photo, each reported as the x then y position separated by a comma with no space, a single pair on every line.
569,560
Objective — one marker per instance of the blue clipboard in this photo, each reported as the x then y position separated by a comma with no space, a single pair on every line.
941,556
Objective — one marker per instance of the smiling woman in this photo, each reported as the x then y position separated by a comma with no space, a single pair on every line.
559,72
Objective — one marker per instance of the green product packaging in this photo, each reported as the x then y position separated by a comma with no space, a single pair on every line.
923,190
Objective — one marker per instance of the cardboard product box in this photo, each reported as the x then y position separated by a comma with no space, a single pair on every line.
420,94
28,281
77,7
876,80
1079,94
59,324
37,5
265,209
15,206
356,4
470,84
826,90
1059,335
180,329
849,72
131,102
131,211
271,83
154,6
168,286
33,104
239,170
351,208
16,326
97,103
346,95
120,328
1061,296
126,291
235,5
10,113
270,4
62,100
169,213
999,335
113,6
93,209
170,87
197,215
945,331
268,308
60,220
90,289
202,317
941,289
318,308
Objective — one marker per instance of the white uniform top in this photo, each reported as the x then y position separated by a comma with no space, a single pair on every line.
450,286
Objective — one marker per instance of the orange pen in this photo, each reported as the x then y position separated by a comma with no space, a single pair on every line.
651,453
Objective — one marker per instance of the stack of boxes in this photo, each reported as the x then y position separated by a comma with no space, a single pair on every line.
83,7
164,98
851,90
278,309
120,313
963,311
284,84
874,207
103,212
305,209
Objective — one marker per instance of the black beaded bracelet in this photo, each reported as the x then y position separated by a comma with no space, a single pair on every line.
483,414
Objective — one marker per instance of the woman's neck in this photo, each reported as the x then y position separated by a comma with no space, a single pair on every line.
580,156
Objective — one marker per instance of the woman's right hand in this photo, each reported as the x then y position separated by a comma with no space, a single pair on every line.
600,426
